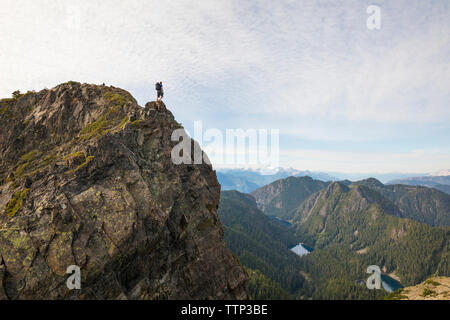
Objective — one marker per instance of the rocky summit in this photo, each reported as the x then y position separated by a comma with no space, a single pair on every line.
86,179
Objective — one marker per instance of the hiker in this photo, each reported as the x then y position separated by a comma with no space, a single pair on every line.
159,91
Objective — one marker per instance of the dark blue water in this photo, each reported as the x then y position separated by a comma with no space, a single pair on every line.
390,284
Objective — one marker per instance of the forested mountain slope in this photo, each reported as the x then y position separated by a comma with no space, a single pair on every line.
423,204
352,228
259,242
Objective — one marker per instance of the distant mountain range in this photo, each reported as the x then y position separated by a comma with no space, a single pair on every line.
246,180
350,225
383,177
423,204
440,181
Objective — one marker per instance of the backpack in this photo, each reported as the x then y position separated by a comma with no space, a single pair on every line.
158,86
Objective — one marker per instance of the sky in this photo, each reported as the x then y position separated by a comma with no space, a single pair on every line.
344,97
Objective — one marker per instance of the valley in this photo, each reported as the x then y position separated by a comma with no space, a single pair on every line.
336,230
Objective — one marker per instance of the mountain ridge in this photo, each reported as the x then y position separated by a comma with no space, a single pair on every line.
281,197
423,204
439,182
245,180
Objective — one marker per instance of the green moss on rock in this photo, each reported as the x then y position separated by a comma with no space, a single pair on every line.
115,98
94,129
3,109
30,156
16,202
124,122
74,155
21,169
88,159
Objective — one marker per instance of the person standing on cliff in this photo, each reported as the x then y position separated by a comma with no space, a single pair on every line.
159,91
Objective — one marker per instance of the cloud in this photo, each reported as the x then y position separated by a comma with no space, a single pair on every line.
122,42
300,57
310,68
306,58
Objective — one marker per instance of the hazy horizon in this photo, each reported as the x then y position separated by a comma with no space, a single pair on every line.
384,177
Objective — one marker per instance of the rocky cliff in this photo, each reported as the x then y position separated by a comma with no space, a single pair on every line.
86,179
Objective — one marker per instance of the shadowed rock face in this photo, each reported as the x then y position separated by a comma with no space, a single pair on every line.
86,179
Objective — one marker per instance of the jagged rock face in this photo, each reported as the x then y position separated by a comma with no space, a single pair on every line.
86,179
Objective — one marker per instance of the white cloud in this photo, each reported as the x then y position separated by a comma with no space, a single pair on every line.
122,43
302,58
